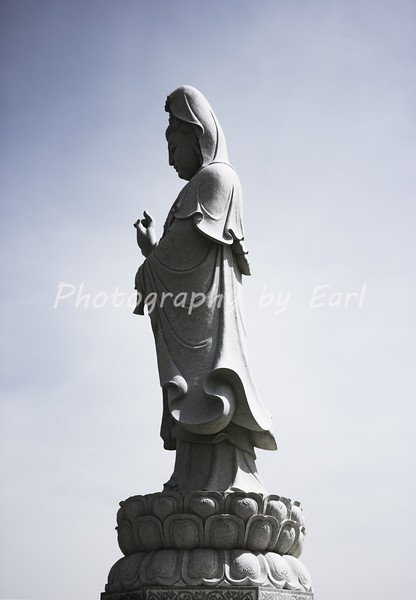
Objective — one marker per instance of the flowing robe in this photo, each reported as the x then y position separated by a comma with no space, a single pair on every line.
192,281
194,273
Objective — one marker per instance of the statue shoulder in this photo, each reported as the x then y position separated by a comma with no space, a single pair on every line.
217,185
213,199
213,188
217,175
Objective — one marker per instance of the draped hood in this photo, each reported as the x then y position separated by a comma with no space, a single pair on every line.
188,104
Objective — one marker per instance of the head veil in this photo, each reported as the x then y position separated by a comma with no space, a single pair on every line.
188,104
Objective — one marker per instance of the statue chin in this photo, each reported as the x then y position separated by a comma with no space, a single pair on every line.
186,175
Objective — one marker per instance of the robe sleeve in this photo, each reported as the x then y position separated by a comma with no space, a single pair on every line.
214,200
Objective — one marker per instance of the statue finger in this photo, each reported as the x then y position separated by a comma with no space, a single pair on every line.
148,218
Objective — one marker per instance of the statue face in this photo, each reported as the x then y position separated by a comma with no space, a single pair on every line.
183,155
184,151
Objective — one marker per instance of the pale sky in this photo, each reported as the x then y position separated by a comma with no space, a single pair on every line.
317,102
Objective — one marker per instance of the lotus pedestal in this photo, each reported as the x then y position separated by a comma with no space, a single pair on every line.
209,546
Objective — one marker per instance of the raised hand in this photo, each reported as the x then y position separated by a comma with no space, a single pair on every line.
146,234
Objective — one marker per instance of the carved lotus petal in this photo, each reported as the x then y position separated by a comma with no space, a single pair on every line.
262,533
134,507
296,549
164,504
161,568
288,535
244,505
113,583
277,509
203,506
120,515
287,503
301,575
244,568
224,531
278,569
183,531
129,571
125,538
148,533
297,514
203,566
244,508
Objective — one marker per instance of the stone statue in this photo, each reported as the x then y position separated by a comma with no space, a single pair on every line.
213,533
212,414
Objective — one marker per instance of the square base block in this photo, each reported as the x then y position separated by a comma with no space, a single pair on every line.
208,593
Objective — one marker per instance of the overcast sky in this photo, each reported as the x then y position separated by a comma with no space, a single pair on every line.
317,102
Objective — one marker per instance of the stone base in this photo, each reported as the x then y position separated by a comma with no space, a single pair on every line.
197,545
208,593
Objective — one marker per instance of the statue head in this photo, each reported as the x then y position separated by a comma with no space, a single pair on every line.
195,138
